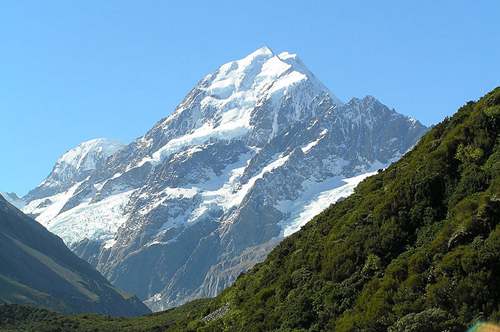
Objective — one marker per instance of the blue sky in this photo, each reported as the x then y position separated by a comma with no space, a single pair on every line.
72,71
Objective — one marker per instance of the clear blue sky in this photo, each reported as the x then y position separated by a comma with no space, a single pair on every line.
72,71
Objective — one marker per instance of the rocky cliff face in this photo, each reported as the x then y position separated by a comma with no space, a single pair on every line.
252,153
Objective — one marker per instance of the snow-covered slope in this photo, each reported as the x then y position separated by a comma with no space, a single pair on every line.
249,156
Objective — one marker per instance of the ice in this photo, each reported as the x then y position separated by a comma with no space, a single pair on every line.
109,243
47,208
315,199
309,146
95,221
226,131
287,81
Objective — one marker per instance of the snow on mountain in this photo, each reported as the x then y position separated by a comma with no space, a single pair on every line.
99,221
316,198
45,209
13,199
74,166
229,103
248,157
86,155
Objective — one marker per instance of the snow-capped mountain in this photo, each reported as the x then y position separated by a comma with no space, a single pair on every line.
72,168
75,165
13,199
252,153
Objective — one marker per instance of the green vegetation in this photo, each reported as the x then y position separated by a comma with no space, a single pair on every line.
415,248
31,319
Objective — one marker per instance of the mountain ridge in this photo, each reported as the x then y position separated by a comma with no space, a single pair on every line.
249,150
74,165
38,269
415,248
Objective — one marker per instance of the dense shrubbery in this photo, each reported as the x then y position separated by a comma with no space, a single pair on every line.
22,318
415,248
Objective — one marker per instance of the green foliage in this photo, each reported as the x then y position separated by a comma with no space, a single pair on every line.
415,248
469,154
30,319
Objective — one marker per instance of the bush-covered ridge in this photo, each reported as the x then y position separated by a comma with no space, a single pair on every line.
15,317
415,248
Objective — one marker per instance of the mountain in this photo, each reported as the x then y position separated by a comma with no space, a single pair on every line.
38,269
248,157
13,199
415,248
74,166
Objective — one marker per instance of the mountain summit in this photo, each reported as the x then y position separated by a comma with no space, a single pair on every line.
252,152
74,166
255,98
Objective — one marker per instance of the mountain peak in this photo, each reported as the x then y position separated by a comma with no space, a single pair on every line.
75,165
77,156
368,99
264,50
255,97
254,150
260,71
